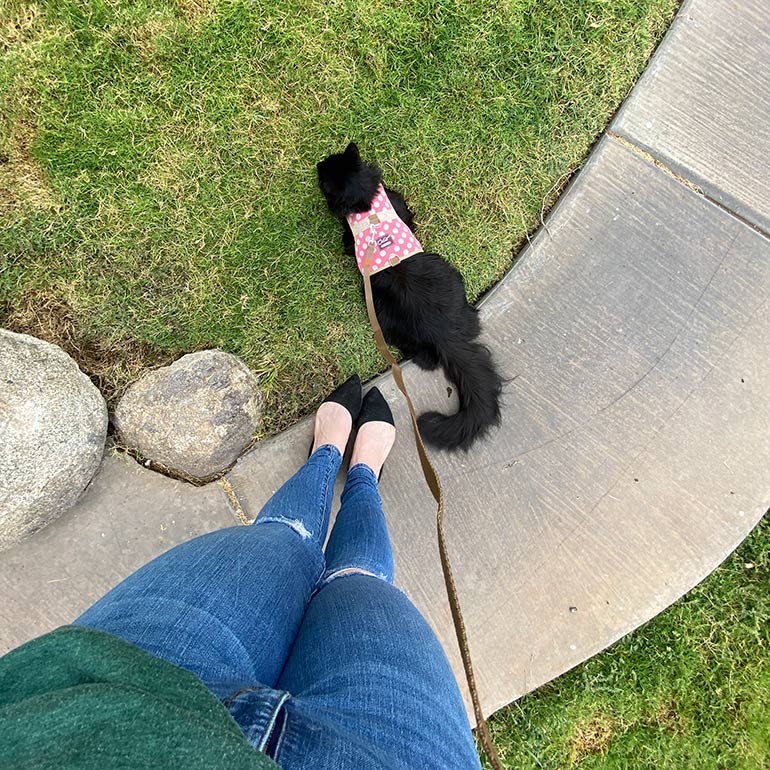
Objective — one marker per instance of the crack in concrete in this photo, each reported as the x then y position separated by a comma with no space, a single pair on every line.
647,156
177,475
232,498
637,150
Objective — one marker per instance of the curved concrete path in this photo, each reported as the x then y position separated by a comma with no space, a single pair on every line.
634,453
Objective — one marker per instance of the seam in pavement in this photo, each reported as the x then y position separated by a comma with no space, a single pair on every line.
232,498
650,158
637,150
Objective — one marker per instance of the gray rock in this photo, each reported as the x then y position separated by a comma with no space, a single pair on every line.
195,417
53,423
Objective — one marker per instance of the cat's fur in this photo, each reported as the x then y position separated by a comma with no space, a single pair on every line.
422,309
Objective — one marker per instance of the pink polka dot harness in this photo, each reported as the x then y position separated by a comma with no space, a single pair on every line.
382,228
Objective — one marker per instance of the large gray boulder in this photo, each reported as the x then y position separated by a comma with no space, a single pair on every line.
53,423
194,417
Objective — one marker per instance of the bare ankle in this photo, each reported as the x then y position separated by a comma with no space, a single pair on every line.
332,426
373,445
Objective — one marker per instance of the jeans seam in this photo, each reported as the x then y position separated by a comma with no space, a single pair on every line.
324,492
271,721
279,741
228,701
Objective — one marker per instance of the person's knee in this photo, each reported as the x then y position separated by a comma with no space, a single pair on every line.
296,525
340,572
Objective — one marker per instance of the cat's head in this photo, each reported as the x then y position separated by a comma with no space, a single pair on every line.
348,184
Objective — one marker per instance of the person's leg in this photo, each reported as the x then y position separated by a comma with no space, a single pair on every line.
227,605
359,540
371,686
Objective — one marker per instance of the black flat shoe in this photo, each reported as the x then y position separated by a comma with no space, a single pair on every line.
349,395
374,409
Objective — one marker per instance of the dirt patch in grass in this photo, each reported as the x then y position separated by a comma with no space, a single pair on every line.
111,364
19,27
145,36
668,718
22,180
195,11
591,737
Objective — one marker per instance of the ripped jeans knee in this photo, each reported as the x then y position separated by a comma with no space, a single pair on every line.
339,572
294,524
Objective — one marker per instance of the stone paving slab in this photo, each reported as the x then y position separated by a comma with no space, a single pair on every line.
127,516
703,105
632,457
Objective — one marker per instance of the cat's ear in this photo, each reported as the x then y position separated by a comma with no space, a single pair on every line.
351,151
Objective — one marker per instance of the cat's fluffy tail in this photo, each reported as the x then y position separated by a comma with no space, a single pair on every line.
469,366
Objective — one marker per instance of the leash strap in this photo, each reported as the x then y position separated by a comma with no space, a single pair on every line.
434,484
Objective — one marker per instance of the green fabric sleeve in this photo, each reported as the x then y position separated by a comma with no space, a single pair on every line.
81,698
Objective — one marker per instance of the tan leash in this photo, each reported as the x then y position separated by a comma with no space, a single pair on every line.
434,484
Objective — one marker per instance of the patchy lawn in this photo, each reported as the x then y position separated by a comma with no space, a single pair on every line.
157,162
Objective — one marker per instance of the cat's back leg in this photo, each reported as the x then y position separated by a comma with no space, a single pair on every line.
426,358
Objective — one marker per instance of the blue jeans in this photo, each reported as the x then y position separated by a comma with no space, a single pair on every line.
323,662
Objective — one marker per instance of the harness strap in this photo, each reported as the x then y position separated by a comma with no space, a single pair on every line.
434,484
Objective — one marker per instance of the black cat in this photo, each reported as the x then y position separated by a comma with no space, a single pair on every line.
422,309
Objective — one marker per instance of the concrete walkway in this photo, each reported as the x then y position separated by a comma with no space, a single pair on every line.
634,453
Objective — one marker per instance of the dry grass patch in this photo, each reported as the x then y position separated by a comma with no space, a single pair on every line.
144,37
667,717
195,11
591,737
22,180
20,27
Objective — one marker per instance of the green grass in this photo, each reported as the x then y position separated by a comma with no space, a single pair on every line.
687,691
157,162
